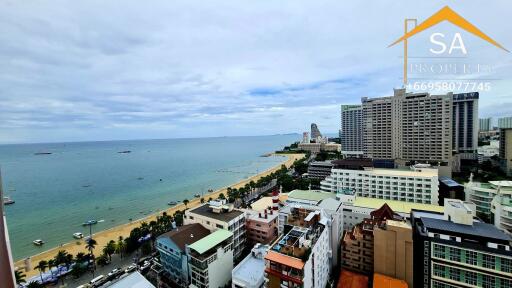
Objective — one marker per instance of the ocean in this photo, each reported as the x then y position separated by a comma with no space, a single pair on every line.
55,193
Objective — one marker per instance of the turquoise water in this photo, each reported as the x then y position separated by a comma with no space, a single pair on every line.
55,193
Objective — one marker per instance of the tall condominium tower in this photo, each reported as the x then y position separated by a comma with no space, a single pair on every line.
408,127
352,130
465,123
484,124
6,268
315,132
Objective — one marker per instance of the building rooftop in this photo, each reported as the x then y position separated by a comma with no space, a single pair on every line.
311,195
321,163
350,279
418,172
261,216
286,260
478,229
265,202
206,211
383,281
330,204
252,268
210,241
397,206
134,280
449,181
186,234
502,184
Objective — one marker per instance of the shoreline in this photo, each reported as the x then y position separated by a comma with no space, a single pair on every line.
113,233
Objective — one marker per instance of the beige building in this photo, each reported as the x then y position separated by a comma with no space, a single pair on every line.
506,149
319,147
393,250
408,127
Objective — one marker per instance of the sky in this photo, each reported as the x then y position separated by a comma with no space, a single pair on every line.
108,70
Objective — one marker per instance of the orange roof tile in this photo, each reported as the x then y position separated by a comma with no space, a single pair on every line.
352,280
286,260
383,281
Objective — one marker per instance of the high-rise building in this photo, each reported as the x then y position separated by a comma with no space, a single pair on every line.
352,130
6,267
465,123
485,124
315,132
408,127
455,249
506,149
505,122
418,185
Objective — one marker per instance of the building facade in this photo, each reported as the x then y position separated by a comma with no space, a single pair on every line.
408,127
485,124
173,253
482,195
506,150
418,185
250,273
465,123
352,130
455,250
501,206
219,214
211,260
319,169
505,122
261,226
393,251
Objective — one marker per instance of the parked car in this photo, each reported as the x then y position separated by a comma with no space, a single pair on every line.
130,268
114,273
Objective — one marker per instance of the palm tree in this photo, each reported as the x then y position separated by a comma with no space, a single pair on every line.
221,196
186,203
202,200
80,257
110,249
91,244
61,257
20,277
41,266
121,246
51,263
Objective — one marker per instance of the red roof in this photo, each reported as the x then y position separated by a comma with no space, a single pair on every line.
352,280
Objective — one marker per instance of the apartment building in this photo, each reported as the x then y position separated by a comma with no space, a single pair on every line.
505,122
261,226
408,127
393,251
482,194
356,209
418,184
352,130
357,245
300,258
485,124
319,169
6,267
506,150
219,214
173,253
455,249
501,207
465,124
250,273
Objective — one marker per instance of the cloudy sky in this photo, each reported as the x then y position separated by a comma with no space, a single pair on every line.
102,70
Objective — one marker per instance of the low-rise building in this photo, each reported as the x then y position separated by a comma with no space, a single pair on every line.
211,260
357,245
418,184
261,227
455,249
316,148
219,214
173,252
300,258
319,169
482,194
250,273
392,253
355,208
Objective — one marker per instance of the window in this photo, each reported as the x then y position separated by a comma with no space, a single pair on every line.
438,251
471,257
190,217
454,273
454,254
438,270
471,278
488,261
488,281
219,226
506,265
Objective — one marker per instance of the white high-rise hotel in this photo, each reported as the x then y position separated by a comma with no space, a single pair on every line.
417,185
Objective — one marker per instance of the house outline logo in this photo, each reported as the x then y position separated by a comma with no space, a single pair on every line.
445,14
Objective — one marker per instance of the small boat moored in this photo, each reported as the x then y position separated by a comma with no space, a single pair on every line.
8,201
172,203
197,195
38,242
78,235
90,222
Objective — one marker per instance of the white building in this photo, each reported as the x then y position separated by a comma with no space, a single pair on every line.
482,194
417,184
487,151
211,260
219,214
250,273
501,206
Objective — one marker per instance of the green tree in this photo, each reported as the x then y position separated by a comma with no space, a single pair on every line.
91,245
221,196
120,246
186,203
109,249
41,266
102,260
51,264
202,200
19,276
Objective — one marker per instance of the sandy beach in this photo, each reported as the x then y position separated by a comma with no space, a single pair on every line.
103,237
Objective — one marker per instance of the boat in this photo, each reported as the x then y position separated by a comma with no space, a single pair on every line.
125,152
90,222
8,201
43,153
172,203
86,186
78,235
38,242
197,195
